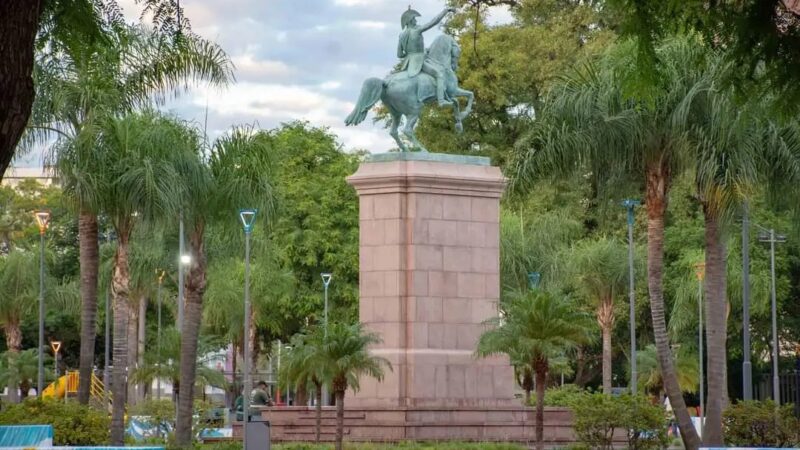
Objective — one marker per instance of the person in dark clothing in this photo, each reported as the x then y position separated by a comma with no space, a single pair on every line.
259,397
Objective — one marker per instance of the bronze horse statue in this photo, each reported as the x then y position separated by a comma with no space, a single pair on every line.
404,95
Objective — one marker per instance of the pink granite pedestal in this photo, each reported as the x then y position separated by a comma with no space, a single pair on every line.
429,267
430,277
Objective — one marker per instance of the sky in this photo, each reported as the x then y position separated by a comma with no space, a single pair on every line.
296,60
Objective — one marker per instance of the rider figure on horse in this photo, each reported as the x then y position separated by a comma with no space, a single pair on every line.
411,48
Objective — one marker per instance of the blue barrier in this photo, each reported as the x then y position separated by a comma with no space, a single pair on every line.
26,436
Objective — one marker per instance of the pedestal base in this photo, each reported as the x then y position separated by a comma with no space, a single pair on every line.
374,424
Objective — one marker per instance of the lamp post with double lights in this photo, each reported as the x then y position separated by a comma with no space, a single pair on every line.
629,205
769,236
248,218
158,336
43,220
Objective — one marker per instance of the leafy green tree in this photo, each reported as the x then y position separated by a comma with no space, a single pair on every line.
592,121
510,67
315,228
539,326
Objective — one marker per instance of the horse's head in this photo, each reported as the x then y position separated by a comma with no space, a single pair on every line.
445,51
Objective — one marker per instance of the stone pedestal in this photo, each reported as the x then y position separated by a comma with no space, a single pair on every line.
429,277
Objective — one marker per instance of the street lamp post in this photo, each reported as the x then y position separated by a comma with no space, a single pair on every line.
772,238
747,366
629,204
56,346
700,271
248,218
326,280
42,219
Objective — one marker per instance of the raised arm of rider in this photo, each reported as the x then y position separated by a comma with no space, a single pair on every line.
436,19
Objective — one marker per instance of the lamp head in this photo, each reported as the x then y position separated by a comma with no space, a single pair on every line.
533,279
248,218
43,220
326,278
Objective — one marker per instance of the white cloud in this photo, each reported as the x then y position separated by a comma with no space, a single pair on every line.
330,85
248,67
354,2
370,24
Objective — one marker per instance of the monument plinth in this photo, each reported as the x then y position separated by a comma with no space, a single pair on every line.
430,277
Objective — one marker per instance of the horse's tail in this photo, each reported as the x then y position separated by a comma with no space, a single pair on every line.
370,94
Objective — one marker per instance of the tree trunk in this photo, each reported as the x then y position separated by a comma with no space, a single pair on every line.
133,348
141,344
89,260
19,23
14,344
605,318
339,418
715,306
318,407
540,369
120,282
192,317
657,187
300,396
580,366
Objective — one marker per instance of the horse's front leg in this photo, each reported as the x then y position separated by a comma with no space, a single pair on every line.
470,99
411,122
457,116
393,132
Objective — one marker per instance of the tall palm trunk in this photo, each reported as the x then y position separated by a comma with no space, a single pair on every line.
605,318
339,418
140,345
89,260
540,368
657,188
14,343
193,313
318,394
715,329
120,282
133,349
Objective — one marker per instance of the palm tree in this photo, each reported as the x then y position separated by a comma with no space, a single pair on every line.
539,326
237,174
20,370
600,269
160,363
140,154
345,357
649,373
19,291
82,81
605,119
303,366
738,148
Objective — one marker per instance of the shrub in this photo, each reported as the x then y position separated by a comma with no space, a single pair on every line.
760,424
73,423
598,417
564,395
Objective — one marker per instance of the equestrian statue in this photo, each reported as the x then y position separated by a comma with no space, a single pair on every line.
425,76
